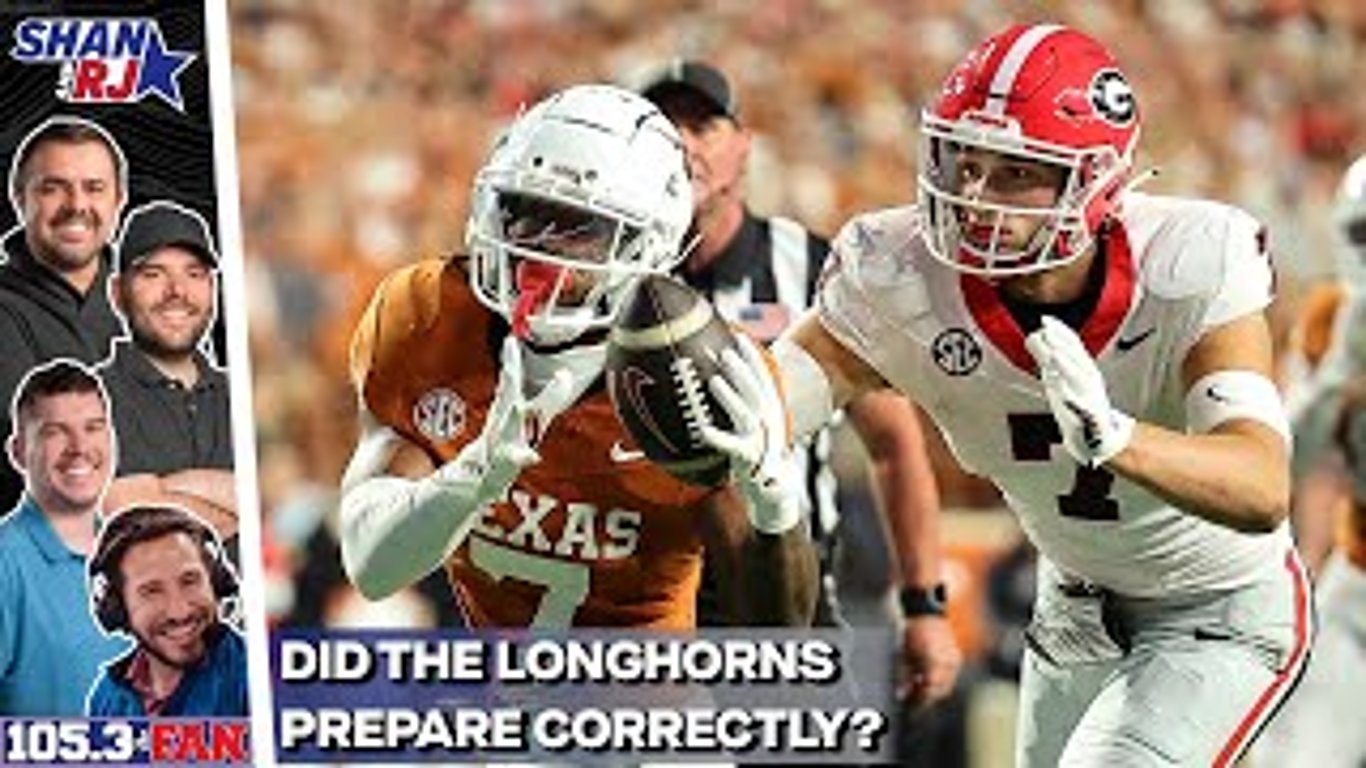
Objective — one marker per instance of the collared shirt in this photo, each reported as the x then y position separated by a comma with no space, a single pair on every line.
43,317
50,647
214,687
162,425
139,678
744,260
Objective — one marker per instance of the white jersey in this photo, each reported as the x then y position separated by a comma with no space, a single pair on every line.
1176,268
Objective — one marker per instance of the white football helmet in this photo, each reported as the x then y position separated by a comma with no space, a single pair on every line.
583,194
1349,216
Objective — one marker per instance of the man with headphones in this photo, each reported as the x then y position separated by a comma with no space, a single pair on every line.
159,576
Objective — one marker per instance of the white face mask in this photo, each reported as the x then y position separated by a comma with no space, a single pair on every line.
552,268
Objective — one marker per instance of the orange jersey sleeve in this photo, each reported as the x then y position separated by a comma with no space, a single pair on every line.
592,535
1318,315
1351,528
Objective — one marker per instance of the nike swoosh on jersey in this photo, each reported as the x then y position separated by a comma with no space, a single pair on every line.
620,455
1124,345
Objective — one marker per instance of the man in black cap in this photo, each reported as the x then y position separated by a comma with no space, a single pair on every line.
761,273
701,103
68,183
170,402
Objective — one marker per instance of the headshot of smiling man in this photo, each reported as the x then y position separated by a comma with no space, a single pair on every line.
50,649
68,184
159,576
170,403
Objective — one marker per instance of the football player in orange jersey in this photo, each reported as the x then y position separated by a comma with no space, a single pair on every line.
488,441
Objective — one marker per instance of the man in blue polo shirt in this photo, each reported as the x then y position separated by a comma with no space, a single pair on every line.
50,647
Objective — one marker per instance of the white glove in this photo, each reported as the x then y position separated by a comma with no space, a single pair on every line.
1092,431
760,457
396,530
512,430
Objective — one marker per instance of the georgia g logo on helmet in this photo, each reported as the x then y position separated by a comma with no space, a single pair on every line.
1112,97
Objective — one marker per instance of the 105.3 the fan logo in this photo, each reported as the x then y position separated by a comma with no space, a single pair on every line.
112,741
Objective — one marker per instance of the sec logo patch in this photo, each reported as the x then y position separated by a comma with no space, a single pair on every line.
956,352
439,414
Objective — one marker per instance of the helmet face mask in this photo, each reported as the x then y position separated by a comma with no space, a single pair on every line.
586,255
1041,96
583,195
982,236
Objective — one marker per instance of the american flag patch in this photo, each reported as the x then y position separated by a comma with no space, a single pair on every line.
763,322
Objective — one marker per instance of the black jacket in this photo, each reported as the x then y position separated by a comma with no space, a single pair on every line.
43,317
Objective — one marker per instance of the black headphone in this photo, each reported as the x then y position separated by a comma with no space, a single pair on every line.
135,525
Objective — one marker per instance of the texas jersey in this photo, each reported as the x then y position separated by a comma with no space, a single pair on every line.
592,535
1175,268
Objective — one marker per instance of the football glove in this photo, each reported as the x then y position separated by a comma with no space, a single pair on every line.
758,446
396,530
1092,431
512,430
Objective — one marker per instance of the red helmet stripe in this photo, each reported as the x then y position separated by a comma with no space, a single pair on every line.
1004,80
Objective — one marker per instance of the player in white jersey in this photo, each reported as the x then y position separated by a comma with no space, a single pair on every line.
1331,432
1102,356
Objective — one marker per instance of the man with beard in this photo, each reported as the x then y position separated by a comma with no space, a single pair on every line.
50,650
170,403
68,183
158,575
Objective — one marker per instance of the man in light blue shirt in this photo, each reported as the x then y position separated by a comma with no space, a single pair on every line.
50,647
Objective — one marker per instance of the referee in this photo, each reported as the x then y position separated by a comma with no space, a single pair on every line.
761,274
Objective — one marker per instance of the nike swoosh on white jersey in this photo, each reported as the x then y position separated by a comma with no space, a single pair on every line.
620,455
1126,344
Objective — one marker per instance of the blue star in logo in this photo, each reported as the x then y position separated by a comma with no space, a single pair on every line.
160,68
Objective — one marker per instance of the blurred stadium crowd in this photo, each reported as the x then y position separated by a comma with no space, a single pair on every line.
361,124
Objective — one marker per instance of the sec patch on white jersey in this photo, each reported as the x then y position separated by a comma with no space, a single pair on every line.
1175,268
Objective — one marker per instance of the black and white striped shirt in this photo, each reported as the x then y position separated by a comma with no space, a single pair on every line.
770,264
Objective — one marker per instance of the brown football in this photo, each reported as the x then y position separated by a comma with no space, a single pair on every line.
663,349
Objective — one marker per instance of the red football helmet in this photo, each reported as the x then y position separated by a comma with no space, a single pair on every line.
1040,93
